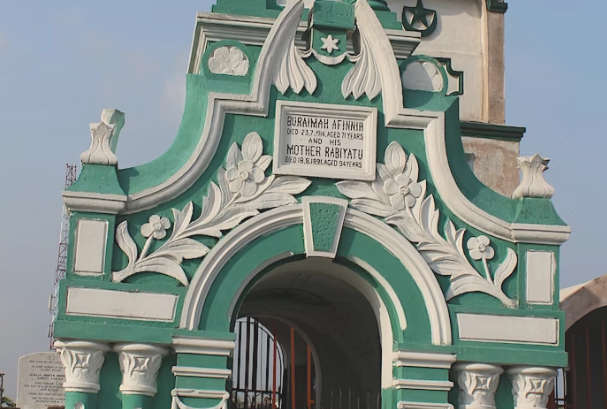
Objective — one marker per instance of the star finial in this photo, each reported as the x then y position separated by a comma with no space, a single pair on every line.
329,43
417,19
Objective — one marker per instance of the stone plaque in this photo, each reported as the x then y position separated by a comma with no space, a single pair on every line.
330,141
40,380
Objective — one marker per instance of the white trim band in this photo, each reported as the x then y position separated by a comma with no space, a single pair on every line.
201,372
423,359
198,346
504,328
423,384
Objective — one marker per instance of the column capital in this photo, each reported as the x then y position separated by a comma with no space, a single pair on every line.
139,364
82,361
531,386
477,384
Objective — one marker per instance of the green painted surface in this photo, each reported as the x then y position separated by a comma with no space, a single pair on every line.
132,401
414,372
81,400
216,321
97,179
325,224
109,247
333,14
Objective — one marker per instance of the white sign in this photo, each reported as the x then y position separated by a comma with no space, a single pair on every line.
330,141
40,381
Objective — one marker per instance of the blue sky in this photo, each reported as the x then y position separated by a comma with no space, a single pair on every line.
62,62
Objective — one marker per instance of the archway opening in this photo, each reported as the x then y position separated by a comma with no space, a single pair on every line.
327,331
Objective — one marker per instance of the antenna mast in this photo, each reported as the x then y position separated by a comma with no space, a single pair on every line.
71,171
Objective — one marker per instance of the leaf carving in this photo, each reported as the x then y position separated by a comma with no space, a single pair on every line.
400,199
227,204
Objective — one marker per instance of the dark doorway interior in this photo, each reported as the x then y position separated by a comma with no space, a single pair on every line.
326,335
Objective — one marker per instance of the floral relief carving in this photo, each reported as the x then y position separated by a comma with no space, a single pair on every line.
82,361
477,384
242,191
400,199
139,365
229,60
531,386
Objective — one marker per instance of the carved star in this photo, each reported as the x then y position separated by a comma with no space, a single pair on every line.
141,364
482,383
82,361
420,14
329,43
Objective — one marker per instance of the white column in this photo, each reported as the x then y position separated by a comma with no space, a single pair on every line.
477,385
531,386
139,364
82,361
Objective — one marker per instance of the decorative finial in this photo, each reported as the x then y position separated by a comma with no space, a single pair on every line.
532,182
104,138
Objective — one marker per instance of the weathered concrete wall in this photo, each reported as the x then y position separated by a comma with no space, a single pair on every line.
494,163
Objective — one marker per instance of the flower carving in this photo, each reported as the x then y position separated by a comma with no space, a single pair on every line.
156,227
245,171
480,248
230,61
242,191
402,191
400,199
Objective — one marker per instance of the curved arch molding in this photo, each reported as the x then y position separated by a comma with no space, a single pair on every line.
275,47
281,218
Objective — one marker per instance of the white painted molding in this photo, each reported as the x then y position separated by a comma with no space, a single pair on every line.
200,393
176,393
540,276
139,364
94,202
176,403
199,346
196,372
477,385
104,138
423,405
96,302
423,384
282,217
249,30
432,123
82,361
400,311
256,103
307,224
531,386
532,182
90,246
423,359
504,328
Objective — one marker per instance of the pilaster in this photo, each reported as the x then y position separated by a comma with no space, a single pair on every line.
82,361
477,385
531,386
139,364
